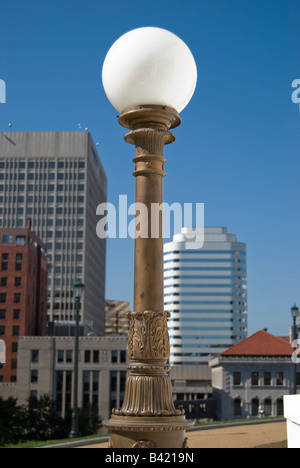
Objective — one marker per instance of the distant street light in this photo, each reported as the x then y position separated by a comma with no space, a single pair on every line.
149,76
295,314
78,291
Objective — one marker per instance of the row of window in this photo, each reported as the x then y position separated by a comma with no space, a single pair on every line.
3,298
204,311
16,314
213,294
42,175
226,277
205,260
15,330
257,379
90,356
170,301
40,211
3,282
42,164
65,233
40,188
65,246
197,251
5,260
204,269
8,239
41,199
264,407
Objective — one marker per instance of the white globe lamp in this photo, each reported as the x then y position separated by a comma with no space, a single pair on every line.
149,66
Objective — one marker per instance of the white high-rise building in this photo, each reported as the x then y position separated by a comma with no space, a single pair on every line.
205,287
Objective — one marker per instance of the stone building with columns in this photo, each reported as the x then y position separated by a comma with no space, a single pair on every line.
46,365
252,377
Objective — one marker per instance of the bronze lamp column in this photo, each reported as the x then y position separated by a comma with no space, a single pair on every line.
148,417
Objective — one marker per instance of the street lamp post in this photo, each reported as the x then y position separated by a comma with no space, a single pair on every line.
78,290
295,314
149,76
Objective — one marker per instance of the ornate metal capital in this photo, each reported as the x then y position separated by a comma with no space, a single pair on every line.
148,336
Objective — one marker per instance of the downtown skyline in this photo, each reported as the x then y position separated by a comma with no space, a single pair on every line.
236,150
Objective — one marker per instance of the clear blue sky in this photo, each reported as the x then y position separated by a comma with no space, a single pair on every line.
237,149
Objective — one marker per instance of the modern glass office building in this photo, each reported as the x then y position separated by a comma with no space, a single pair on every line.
57,180
205,287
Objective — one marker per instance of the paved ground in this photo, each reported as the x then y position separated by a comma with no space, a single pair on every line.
233,437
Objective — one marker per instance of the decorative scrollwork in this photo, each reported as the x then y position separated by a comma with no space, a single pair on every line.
145,444
148,336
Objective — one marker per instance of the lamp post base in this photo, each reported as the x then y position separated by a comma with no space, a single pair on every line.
148,432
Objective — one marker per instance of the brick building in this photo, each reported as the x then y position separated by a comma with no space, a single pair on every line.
23,292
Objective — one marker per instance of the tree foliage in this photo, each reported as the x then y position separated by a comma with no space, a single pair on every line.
38,420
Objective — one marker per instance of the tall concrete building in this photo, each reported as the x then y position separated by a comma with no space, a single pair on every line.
57,180
206,294
116,317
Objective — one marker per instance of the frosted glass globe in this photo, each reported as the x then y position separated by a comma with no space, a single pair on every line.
149,66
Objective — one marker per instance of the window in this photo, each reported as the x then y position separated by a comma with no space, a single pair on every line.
86,388
17,314
2,330
16,331
267,378
254,407
113,389
280,407
20,240
14,364
34,356
60,356
17,298
34,376
268,407
14,347
19,261
7,239
123,356
2,298
2,314
236,378
87,356
114,357
237,407
69,357
122,386
96,356
18,282
3,282
279,379
255,377
4,262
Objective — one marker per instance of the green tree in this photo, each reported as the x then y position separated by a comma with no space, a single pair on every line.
43,423
12,421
